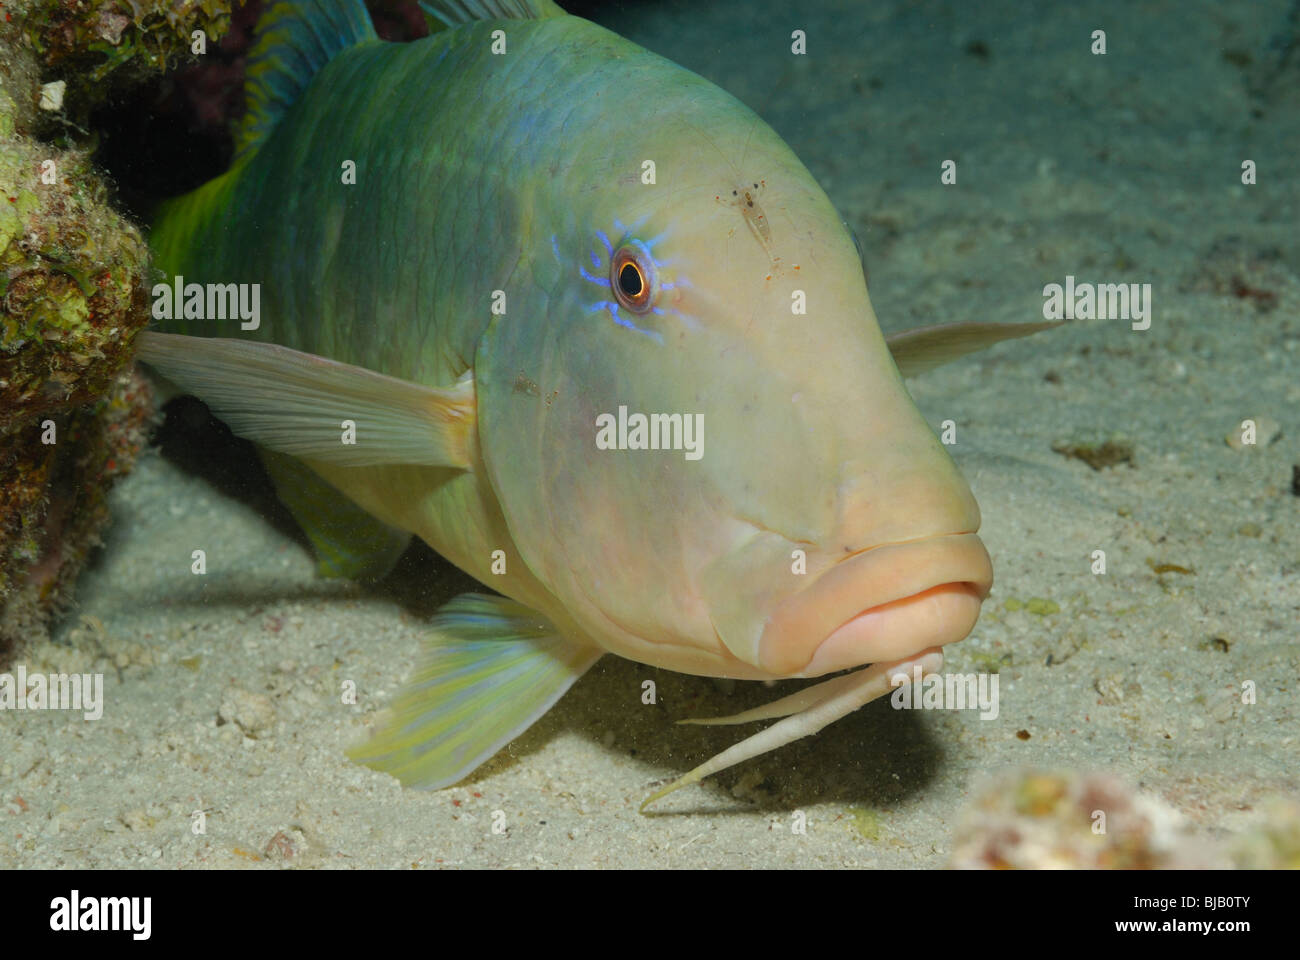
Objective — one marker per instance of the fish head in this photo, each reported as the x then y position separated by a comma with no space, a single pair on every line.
697,435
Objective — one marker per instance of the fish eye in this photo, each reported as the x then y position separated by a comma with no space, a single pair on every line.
630,279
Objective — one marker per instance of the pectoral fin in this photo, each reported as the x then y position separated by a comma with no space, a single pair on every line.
922,349
492,668
297,403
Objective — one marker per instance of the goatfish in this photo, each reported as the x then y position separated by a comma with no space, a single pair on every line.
584,323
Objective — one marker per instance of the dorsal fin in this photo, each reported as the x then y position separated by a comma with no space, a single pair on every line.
295,38
455,12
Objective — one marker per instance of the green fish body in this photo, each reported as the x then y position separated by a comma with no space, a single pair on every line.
490,251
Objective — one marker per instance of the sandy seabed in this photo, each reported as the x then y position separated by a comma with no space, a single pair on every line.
1123,168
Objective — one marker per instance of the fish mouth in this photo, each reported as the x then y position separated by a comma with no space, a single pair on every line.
882,604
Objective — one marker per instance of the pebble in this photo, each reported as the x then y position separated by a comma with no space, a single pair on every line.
52,95
137,820
1111,688
252,712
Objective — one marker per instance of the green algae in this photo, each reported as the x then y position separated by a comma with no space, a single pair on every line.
866,822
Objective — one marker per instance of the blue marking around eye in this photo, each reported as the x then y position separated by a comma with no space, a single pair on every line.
622,321
636,224
646,247
555,248
602,281
654,335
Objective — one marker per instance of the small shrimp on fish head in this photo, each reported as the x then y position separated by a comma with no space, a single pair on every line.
732,479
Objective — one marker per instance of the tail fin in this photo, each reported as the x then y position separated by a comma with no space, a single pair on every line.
295,39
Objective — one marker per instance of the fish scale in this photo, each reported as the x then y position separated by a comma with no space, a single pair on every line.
350,287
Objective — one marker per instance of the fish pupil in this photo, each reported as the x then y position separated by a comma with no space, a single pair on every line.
629,280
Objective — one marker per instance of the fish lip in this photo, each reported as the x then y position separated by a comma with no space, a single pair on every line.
881,603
